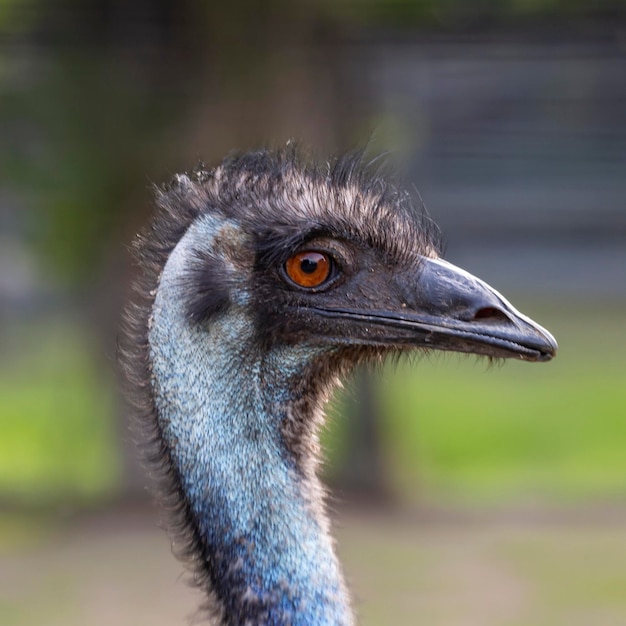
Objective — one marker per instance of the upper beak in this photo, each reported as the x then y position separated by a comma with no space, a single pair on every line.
447,308
467,315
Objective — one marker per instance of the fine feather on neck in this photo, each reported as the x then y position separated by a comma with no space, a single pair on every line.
220,402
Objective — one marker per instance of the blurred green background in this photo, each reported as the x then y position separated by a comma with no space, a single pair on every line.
460,477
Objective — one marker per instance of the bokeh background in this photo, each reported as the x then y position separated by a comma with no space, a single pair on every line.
471,494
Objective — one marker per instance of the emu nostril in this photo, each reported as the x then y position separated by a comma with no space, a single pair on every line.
490,313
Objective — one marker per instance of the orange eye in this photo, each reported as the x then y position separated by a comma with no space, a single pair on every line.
308,269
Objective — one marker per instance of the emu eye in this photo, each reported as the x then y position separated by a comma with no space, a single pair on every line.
309,269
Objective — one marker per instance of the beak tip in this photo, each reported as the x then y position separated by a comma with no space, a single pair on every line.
549,348
546,356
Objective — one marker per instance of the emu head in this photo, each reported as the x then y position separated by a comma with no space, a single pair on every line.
263,280
336,259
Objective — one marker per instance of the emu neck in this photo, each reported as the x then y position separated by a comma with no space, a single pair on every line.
221,406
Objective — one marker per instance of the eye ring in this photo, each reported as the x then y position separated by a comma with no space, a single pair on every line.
309,269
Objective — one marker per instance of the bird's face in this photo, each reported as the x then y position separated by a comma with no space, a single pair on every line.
338,259
334,291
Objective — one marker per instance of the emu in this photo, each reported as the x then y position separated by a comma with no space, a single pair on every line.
264,281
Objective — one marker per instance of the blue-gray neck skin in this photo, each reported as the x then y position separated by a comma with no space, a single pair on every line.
221,405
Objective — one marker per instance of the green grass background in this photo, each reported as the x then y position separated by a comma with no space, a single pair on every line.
457,428
58,437
454,428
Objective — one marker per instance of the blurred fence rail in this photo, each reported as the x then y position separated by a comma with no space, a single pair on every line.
518,147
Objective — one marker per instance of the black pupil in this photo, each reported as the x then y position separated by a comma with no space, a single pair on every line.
308,266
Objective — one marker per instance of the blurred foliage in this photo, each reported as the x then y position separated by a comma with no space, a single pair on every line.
99,97
80,140
90,106
457,428
472,433
57,440
90,133
460,14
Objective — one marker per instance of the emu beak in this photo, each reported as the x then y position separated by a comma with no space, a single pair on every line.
460,312
439,306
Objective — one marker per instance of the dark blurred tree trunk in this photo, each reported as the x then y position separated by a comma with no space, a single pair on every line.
361,471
